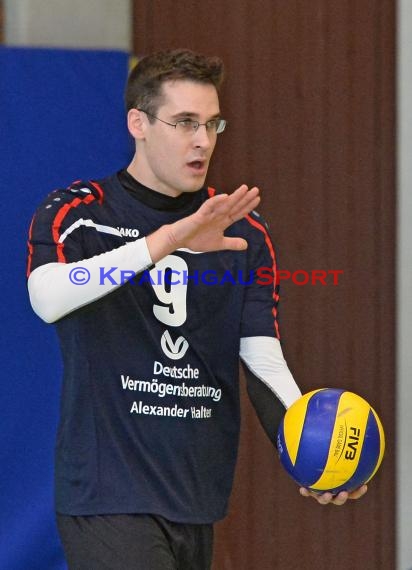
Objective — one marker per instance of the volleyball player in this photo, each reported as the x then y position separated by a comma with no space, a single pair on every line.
148,276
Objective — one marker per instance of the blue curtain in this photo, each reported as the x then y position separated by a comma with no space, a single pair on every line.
61,119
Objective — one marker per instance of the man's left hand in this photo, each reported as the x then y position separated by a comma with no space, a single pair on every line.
339,499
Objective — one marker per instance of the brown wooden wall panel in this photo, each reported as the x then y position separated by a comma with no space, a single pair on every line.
310,99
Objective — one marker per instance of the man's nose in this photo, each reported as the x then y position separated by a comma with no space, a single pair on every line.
202,137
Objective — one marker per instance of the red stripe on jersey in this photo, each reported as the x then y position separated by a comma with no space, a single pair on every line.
211,192
99,190
29,245
56,226
58,220
269,244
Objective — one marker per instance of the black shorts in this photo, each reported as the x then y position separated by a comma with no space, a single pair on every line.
134,542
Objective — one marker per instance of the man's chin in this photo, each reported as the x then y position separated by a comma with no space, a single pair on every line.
195,185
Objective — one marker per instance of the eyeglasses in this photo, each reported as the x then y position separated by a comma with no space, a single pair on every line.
190,126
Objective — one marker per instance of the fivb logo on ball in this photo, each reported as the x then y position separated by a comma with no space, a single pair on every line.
331,440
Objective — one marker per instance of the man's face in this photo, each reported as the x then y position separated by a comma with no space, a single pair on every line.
173,161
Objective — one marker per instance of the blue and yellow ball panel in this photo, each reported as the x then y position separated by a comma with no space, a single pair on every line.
331,440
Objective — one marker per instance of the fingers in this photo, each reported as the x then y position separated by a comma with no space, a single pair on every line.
242,196
234,206
235,244
244,202
338,500
341,498
205,228
325,498
358,493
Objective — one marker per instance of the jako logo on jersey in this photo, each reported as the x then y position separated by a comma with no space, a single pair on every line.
174,350
128,232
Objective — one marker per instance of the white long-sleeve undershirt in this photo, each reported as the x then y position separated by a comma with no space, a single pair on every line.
53,294
263,357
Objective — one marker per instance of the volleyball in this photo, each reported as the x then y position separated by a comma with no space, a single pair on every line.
331,440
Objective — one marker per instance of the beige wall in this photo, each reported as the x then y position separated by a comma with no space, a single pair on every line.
69,23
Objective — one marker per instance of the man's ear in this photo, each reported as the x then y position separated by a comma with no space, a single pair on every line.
136,124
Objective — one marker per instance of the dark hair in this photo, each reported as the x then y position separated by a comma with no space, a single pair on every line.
144,86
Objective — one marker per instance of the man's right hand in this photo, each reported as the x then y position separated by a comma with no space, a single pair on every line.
204,230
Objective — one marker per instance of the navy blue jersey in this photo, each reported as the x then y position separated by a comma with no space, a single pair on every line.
150,398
